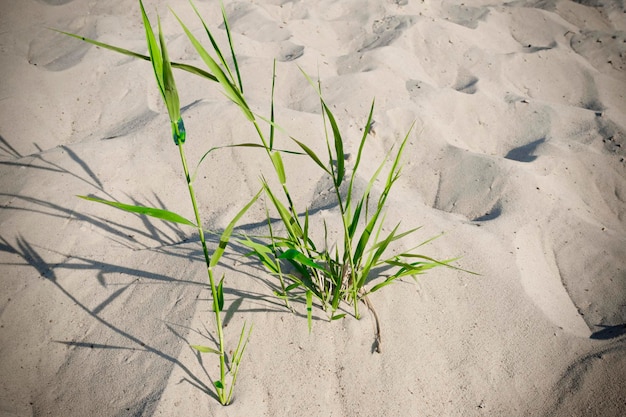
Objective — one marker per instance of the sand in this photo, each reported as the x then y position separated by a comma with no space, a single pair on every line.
517,156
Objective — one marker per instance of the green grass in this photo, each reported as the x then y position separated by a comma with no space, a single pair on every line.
324,273
158,56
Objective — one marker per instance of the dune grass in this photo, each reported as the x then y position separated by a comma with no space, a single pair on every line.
158,56
323,273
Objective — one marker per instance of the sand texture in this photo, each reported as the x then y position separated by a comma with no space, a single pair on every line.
517,155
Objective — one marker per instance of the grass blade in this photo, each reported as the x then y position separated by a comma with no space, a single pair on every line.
185,67
205,349
147,211
339,155
219,251
230,90
297,256
153,50
220,295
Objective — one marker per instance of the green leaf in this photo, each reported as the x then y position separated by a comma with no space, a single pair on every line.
147,211
277,161
289,221
220,295
185,67
219,251
295,255
338,316
313,156
153,50
360,152
170,91
205,349
232,49
230,89
218,384
339,155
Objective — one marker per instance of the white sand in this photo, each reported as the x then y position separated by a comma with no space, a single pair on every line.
518,155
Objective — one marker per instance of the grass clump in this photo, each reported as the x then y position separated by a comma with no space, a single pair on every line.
327,273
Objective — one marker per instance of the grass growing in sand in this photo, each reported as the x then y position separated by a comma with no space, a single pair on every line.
327,272
162,66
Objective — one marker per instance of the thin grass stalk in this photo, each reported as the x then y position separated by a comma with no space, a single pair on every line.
214,292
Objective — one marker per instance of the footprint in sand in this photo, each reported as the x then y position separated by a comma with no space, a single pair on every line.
385,31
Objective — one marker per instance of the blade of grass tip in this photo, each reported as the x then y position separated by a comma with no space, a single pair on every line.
339,155
185,67
360,151
219,251
229,89
232,49
272,107
312,155
216,47
147,211
153,50
277,161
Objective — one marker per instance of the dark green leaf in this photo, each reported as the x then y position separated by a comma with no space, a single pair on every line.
295,255
220,295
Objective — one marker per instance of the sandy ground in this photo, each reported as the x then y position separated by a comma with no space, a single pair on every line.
518,155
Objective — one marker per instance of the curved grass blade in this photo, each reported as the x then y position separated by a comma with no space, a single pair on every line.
205,349
185,67
360,152
216,47
153,50
220,295
147,211
277,161
219,251
230,90
237,145
339,155
297,256
313,156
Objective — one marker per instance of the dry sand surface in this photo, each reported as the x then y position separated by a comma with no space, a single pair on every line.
518,155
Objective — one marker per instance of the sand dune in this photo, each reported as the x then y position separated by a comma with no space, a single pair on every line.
517,155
